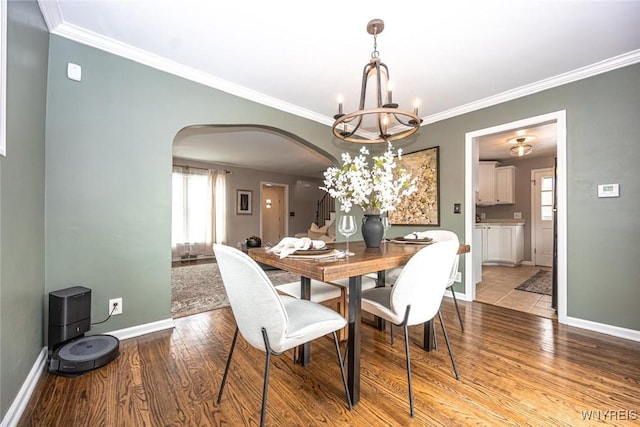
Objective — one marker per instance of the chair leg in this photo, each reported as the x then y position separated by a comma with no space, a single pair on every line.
265,384
226,369
435,337
446,339
406,349
455,301
344,378
391,333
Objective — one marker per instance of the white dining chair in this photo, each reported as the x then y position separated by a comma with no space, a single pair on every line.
416,295
438,236
328,293
268,321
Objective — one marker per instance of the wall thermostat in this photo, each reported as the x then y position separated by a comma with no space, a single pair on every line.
609,190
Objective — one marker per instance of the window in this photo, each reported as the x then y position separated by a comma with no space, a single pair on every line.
546,199
197,211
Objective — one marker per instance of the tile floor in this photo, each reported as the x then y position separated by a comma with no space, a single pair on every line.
497,288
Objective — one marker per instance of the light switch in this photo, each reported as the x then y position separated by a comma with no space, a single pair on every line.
74,72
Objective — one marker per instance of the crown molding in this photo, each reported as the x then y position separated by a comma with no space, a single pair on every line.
610,64
106,44
51,13
55,23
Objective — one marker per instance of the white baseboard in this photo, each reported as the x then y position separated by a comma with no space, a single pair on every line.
616,331
602,328
147,328
459,296
22,399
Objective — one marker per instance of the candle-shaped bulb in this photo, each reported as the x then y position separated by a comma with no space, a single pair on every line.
416,104
390,92
340,99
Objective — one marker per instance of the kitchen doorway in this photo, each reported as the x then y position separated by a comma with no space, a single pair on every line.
471,174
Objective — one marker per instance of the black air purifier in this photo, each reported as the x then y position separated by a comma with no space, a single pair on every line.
71,353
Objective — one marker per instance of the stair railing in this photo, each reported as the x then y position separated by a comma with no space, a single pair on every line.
326,205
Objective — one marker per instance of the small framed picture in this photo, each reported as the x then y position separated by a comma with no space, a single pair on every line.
243,202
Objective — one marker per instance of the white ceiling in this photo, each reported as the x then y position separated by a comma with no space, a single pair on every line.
497,146
454,56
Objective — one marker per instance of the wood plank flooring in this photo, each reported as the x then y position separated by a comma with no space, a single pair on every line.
516,369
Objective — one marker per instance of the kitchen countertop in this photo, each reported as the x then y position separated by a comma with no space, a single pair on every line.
500,222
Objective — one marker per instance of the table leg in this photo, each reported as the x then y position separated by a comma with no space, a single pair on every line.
427,344
303,353
380,283
353,355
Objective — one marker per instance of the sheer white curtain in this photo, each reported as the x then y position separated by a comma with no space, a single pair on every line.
198,211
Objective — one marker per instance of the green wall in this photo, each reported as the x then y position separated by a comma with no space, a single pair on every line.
22,175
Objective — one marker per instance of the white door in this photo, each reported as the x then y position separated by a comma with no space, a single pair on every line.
542,206
273,214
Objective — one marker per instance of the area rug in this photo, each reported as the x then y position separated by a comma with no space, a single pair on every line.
199,288
539,283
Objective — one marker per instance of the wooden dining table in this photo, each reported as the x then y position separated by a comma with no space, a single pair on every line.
365,260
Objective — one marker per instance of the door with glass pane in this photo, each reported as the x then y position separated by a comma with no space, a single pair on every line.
542,189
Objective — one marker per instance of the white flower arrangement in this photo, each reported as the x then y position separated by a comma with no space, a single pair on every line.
375,190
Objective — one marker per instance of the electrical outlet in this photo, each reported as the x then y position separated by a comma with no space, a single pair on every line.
458,277
517,215
118,306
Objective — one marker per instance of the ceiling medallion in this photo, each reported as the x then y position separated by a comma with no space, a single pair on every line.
378,121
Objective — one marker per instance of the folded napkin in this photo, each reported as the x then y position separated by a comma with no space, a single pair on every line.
417,235
289,245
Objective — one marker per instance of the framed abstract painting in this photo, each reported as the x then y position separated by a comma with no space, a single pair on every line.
423,206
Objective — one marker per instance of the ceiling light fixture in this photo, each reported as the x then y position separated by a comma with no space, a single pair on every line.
382,121
521,148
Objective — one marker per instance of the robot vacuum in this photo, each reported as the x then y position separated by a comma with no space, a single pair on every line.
71,353
84,354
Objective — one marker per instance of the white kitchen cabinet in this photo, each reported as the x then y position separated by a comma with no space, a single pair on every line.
505,179
502,244
486,183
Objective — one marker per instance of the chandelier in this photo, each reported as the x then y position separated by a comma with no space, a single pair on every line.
520,147
381,120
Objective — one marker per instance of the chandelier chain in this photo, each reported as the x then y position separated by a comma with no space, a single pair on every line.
375,53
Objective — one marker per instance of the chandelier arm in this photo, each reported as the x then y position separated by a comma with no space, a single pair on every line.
357,126
414,121
363,87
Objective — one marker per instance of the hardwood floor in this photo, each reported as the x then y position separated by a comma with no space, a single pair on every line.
516,369
498,288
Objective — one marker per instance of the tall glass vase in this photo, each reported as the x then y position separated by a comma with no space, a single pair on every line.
372,230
